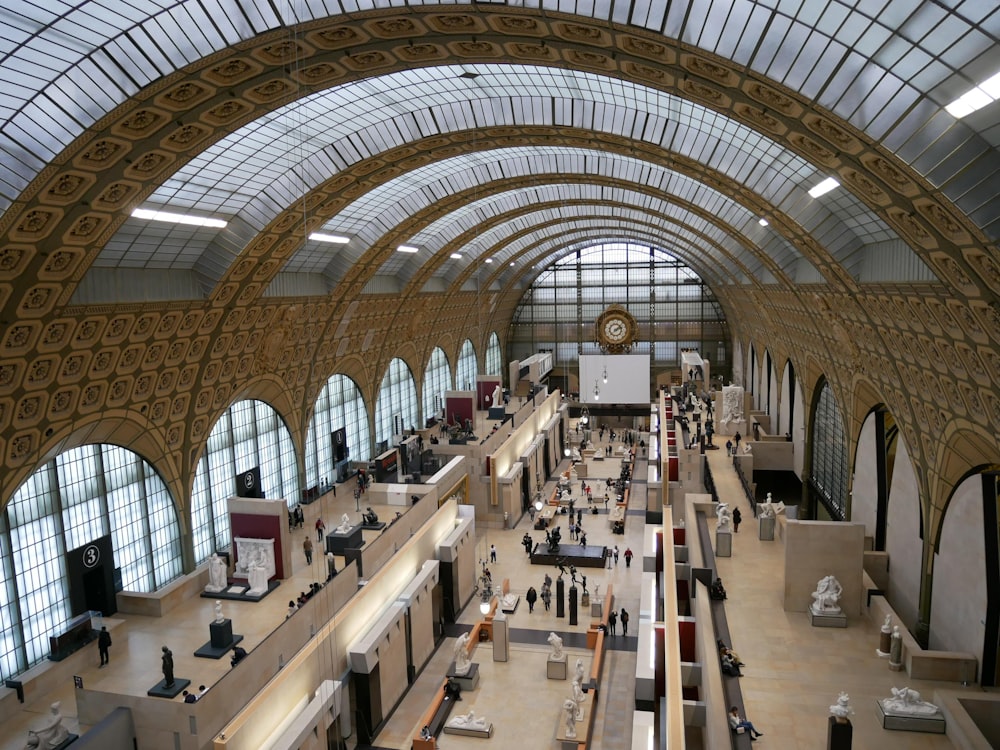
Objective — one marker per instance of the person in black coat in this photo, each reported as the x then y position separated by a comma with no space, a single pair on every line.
531,597
737,517
103,644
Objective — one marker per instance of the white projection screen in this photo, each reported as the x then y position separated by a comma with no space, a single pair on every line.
628,378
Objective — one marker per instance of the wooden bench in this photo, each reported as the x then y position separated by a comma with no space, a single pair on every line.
434,717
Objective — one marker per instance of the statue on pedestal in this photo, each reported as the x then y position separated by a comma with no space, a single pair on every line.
370,517
167,664
47,732
579,671
725,518
495,399
578,699
469,721
218,611
569,707
216,574
463,662
345,524
826,597
557,647
257,578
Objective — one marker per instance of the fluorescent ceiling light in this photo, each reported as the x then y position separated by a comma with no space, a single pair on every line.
985,93
334,238
762,222
824,187
197,221
456,256
408,249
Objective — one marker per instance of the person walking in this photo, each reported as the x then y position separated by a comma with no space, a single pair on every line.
103,644
628,557
307,547
616,554
623,617
547,597
531,597
612,622
493,553
583,539
737,517
320,528
526,543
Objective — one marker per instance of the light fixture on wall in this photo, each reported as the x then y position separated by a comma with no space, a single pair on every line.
597,391
605,374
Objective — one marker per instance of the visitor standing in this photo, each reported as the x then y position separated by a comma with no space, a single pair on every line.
103,644
307,547
616,554
531,597
612,622
628,557
624,620
737,517
493,553
320,528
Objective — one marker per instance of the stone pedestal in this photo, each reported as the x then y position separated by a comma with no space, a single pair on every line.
765,529
895,654
723,544
573,618
839,734
560,598
468,681
884,644
555,669
585,600
501,642
596,609
222,640
827,619
931,723
339,543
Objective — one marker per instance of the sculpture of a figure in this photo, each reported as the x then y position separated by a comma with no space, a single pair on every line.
907,701
48,732
826,596
732,404
766,508
725,518
463,662
496,395
843,707
167,664
218,611
345,524
557,647
257,578
370,517
469,721
216,574
508,601
569,707
887,624
579,671
578,699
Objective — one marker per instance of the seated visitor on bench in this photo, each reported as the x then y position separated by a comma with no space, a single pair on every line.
738,722
717,590
425,733
239,654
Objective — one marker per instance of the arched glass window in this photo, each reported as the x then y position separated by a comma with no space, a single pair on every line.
340,404
396,408
72,500
437,380
249,434
494,360
467,368
828,478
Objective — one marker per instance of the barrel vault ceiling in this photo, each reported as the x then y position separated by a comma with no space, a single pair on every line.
495,138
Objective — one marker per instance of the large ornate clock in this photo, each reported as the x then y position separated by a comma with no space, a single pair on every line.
616,330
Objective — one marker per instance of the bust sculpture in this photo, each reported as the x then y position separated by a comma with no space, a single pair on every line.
463,662
887,624
842,709
569,707
469,721
216,574
907,701
826,597
345,524
48,731
557,647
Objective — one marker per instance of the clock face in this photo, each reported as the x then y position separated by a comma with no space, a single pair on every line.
615,330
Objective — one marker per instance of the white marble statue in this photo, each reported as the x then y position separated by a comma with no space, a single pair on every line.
251,552
732,404
463,662
557,647
508,601
569,707
216,574
766,508
257,580
826,597
47,731
345,524
579,671
219,617
497,399
725,518
887,624
578,698
907,701
469,721
842,709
